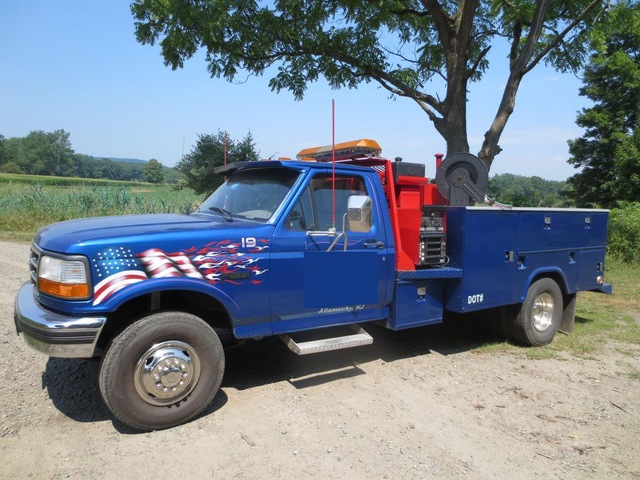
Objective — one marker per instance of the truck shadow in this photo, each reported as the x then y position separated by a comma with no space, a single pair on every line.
72,384
269,360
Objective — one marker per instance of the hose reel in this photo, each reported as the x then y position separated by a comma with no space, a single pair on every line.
463,179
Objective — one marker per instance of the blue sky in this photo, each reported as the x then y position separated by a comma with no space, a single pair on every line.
75,65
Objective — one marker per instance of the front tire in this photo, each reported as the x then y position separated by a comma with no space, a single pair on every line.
162,370
540,315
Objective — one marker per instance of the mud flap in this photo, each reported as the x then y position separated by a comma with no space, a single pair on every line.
568,314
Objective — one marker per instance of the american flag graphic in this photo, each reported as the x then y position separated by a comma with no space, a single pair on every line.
159,264
115,269
223,261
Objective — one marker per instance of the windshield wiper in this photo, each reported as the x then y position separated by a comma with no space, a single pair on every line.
225,213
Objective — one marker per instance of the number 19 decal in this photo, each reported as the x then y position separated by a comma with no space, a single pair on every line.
248,242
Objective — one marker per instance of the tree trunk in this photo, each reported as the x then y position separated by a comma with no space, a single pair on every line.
455,35
453,127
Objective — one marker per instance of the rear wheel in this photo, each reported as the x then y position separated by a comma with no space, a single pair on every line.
162,371
540,315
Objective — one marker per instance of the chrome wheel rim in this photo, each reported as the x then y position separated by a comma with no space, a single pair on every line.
543,309
166,373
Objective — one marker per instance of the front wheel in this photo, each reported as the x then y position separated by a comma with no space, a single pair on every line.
540,315
162,370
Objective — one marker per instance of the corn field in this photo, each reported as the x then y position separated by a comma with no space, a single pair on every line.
27,206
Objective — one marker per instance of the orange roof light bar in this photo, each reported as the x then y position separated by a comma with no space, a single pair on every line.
356,148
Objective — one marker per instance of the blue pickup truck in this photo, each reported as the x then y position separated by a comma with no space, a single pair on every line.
284,247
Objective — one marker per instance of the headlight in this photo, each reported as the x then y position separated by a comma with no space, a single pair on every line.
63,278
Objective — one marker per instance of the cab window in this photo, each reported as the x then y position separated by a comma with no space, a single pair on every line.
314,208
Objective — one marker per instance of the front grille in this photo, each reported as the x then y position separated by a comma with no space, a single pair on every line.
34,259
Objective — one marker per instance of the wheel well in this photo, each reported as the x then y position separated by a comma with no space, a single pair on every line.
568,299
199,304
555,276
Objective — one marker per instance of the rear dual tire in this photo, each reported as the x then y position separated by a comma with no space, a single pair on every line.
539,316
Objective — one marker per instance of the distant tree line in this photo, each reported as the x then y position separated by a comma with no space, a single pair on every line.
521,191
50,153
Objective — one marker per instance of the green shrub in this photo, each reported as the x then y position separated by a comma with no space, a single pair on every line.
624,232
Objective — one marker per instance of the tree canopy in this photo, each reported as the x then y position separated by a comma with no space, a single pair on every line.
424,50
153,171
39,153
197,167
609,150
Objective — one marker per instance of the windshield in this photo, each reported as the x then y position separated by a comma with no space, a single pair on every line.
253,194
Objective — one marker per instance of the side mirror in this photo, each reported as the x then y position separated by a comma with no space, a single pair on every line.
359,217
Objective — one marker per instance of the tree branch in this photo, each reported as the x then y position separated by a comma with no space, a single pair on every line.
442,21
388,81
556,41
403,11
415,62
476,64
533,36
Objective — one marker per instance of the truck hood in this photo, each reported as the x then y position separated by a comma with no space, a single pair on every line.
71,235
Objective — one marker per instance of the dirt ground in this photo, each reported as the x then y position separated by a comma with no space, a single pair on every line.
414,405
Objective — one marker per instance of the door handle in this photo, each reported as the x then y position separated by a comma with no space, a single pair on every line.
374,243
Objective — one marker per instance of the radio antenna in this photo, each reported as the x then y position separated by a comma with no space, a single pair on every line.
333,162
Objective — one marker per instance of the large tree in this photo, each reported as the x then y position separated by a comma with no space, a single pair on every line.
154,171
211,151
41,153
424,50
609,150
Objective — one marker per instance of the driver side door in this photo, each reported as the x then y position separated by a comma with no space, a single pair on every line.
323,273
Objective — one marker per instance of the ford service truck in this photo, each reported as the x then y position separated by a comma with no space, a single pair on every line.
284,247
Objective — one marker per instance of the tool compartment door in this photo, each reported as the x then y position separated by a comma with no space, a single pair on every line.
482,243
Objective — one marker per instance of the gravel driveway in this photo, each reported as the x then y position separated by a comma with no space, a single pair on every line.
414,405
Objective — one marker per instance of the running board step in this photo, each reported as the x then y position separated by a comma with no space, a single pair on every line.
356,339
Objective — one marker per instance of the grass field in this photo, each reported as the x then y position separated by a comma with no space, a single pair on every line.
617,316
602,321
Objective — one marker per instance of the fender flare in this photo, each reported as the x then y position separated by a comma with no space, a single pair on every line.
553,272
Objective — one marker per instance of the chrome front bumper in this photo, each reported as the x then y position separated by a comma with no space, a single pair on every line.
52,333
